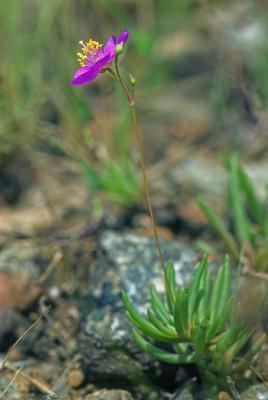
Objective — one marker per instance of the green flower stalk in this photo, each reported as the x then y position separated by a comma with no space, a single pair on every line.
93,61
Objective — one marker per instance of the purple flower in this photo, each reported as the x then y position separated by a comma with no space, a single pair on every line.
94,60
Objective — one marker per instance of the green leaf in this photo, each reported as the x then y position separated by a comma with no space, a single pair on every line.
225,286
162,328
92,178
178,323
194,326
220,297
184,308
203,306
200,338
194,287
159,307
224,317
181,312
255,348
172,286
160,354
241,222
143,324
235,348
251,197
227,340
219,226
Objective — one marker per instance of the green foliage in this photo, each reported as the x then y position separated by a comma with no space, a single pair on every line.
38,102
116,179
249,218
20,76
118,182
199,325
35,71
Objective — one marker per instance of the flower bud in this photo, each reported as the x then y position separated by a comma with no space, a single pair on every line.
119,48
132,80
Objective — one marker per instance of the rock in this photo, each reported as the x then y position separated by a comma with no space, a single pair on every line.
207,177
49,397
23,257
110,395
108,349
75,378
262,361
21,264
256,392
132,262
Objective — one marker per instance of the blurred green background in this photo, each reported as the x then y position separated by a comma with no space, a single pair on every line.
201,68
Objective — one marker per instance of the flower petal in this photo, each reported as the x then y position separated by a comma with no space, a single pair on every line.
123,37
88,73
84,75
103,62
109,47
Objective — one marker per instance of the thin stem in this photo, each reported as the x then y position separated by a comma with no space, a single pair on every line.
131,101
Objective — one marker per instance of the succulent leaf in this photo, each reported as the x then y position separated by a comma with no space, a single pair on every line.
162,328
220,296
200,337
160,354
170,287
178,320
159,307
194,287
143,324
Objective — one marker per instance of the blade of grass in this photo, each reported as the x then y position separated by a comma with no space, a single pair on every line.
219,226
250,194
241,223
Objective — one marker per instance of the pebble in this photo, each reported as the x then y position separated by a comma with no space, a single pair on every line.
76,378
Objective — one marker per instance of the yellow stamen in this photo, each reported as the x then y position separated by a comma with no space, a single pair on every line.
89,49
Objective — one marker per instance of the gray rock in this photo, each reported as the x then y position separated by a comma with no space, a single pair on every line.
132,262
256,392
208,177
110,395
23,257
106,343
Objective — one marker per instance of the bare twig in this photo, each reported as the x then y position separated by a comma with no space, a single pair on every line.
41,386
51,266
61,381
18,341
10,383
